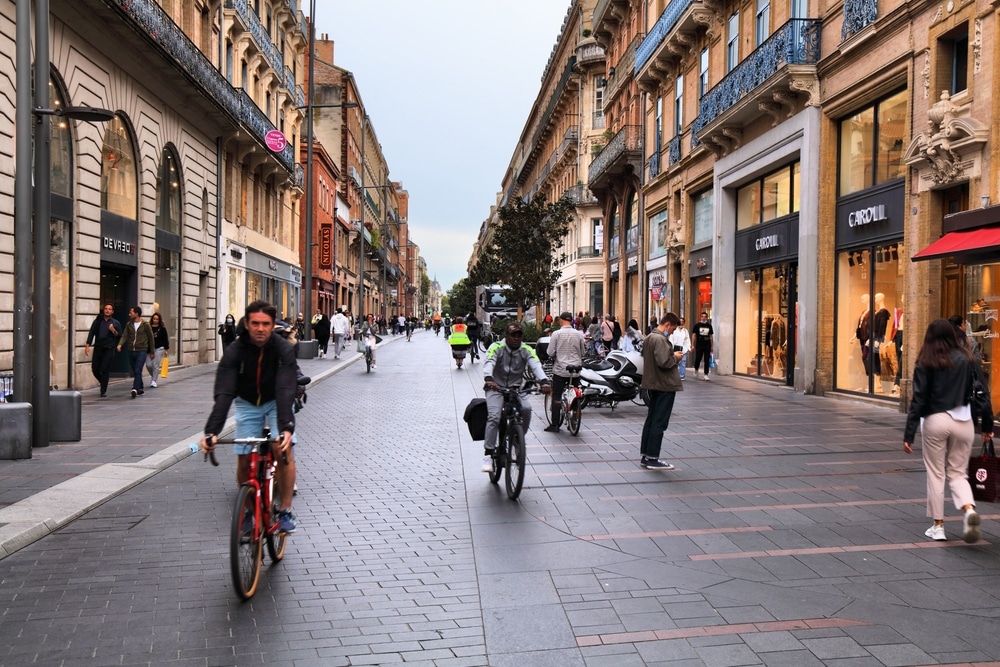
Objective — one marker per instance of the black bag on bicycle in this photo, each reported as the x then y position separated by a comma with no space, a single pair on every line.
475,416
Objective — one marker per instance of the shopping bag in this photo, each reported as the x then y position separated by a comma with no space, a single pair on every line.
475,416
361,346
711,360
984,471
165,367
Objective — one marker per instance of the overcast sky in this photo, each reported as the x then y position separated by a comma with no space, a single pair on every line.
448,86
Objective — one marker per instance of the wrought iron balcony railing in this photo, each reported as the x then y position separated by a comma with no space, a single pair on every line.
674,150
795,43
668,19
580,194
259,34
654,165
624,70
151,20
857,15
628,139
588,252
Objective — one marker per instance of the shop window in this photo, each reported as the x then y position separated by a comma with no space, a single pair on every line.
773,196
869,320
982,309
118,173
168,194
872,141
632,232
762,338
613,231
703,217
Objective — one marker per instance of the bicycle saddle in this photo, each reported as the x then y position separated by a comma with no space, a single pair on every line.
574,369
304,380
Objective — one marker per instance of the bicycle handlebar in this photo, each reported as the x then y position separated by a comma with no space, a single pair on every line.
210,455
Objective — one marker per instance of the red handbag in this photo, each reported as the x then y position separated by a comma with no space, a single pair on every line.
984,471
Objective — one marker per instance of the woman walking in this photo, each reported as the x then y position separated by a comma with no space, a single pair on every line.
321,329
942,380
227,331
161,343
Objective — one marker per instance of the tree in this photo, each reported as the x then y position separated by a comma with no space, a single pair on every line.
462,297
521,252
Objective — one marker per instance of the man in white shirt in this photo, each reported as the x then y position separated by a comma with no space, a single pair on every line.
341,330
681,337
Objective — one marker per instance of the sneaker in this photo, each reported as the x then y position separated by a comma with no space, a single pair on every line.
104,394
552,428
141,392
655,464
487,464
295,489
706,377
971,525
134,393
936,532
374,366
152,385
286,522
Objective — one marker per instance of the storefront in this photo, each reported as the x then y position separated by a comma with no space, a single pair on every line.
969,250
274,281
870,289
700,272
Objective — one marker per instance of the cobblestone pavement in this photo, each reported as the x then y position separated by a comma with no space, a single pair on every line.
791,533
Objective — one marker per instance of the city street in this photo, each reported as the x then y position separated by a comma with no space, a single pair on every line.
790,533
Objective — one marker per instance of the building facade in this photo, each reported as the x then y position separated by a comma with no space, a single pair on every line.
177,204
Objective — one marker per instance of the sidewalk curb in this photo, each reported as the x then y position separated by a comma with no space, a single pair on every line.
21,525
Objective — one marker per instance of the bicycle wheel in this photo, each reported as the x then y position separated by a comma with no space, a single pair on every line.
574,415
516,460
497,464
547,403
368,361
245,544
275,540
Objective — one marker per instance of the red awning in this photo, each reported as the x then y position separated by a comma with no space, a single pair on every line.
972,241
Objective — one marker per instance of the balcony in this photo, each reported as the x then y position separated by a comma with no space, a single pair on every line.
858,14
608,16
672,153
621,155
589,53
672,38
251,23
622,72
588,252
147,18
778,78
566,149
580,195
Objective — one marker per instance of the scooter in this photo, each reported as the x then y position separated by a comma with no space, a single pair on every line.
614,379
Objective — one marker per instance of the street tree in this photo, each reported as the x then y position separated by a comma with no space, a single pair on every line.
522,251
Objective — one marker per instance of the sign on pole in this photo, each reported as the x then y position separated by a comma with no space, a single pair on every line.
275,141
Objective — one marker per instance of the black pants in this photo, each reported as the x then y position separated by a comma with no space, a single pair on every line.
100,365
661,405
559,383
699,353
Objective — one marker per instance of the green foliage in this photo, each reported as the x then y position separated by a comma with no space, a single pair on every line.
462,298
522,249
531,331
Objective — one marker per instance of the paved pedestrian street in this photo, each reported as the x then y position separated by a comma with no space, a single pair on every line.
791,533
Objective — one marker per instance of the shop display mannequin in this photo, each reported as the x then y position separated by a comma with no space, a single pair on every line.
880,323
897,338
863,334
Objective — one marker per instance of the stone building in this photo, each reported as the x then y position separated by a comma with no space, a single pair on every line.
177,204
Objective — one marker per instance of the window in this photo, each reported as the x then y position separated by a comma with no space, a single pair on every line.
703,73
658,138
733,43
703,212
872,144
679,105
229,61
657,232
599,83
118,173
773,196
800,9
763,20
953,60
244,75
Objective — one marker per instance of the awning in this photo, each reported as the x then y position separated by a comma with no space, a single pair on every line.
968,242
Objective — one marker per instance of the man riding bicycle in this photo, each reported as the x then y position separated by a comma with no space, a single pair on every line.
504,369
258,372
472,324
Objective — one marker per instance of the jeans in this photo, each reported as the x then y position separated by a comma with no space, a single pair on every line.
138,364
661,404
100,365
682,366
338,344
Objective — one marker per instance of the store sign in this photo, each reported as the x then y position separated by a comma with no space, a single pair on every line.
614,267
118,245
769,242
633,264
326,247
867,216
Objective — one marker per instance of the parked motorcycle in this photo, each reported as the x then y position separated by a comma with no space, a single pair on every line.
614,379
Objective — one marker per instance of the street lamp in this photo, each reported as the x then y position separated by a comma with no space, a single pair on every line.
33,378
307,296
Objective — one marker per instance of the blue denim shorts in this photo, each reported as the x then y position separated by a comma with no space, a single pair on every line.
250,422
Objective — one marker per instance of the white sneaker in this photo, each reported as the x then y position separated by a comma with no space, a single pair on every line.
487,464
971,525
706,377
936,532
153,384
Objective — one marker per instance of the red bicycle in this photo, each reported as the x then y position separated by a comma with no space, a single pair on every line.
255,516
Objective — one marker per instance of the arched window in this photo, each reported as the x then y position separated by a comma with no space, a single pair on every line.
118,172
60,236
169,225
613,231
632,222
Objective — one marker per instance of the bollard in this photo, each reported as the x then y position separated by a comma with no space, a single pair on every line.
15,431
65,416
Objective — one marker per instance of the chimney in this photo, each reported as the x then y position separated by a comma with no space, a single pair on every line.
324,48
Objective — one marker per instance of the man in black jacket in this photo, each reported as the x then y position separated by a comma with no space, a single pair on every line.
104,333
258,373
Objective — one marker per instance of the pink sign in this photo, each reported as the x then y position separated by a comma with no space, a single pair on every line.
275,141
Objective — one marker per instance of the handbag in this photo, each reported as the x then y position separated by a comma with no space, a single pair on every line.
361,346
475,416
164,369
979,396
984,470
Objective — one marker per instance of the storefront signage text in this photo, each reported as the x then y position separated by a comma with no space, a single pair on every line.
767,242
119,245
866,216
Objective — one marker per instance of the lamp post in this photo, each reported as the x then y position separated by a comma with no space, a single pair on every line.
310,200
33,379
